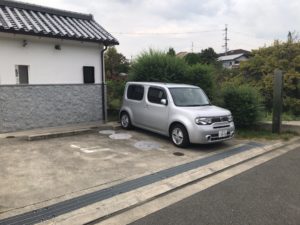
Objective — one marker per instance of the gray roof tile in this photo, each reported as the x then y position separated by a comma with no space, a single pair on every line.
23,18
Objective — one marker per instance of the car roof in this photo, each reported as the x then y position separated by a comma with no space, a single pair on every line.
160,84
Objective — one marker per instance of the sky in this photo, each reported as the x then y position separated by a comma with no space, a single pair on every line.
188,25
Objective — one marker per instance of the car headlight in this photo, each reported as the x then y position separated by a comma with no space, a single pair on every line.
230,118
203,120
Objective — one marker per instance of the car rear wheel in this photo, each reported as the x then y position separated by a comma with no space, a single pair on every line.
179,136
125,121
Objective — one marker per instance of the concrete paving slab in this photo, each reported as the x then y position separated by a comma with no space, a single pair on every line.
36,174
109,207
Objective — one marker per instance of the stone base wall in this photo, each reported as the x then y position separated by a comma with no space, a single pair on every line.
37,106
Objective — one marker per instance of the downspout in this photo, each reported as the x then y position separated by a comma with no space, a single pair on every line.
103,85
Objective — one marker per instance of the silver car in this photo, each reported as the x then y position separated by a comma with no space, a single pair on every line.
182,112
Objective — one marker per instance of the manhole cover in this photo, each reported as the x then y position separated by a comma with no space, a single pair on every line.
10,137
107,132
147,145
120,136
178,153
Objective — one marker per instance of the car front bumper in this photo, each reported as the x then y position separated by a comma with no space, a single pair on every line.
217,132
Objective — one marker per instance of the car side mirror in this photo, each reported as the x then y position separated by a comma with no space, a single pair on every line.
164,101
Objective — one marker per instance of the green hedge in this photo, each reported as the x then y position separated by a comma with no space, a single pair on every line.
156,66
201,75
245,104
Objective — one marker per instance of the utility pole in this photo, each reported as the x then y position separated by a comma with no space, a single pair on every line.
225,46
277,101
192,47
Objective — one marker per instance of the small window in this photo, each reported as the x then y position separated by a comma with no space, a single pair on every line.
155,95
22,74
135,92
89,74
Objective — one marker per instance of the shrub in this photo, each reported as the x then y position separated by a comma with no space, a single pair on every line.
244,102
157,66
115,89
202,76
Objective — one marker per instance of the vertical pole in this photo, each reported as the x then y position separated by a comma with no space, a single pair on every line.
103,86
226,39
277,101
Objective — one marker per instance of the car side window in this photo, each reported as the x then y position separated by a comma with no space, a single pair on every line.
155,95
135,92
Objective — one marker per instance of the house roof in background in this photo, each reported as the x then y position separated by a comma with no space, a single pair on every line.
236,51
181,54
29,19
230,57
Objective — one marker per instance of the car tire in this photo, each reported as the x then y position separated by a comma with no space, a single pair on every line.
179,136
125,121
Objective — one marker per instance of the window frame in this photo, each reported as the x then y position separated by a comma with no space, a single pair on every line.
85,81
158,88
17,74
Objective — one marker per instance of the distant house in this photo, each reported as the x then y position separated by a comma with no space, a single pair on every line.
51,64
181,54
233,58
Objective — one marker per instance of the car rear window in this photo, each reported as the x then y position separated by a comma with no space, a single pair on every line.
135,92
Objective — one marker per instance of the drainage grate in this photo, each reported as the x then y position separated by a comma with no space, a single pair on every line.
60,208
10,137
178,153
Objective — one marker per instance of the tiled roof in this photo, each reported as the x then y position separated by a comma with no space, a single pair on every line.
23,18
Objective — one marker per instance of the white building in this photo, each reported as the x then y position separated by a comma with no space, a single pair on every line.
232,61
51,64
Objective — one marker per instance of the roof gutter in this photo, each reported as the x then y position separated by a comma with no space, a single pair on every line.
103,85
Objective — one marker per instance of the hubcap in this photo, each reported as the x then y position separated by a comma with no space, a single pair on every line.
177,136
125,121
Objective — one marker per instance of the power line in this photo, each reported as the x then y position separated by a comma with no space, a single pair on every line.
164,33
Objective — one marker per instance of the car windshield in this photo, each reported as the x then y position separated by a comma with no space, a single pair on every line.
189,97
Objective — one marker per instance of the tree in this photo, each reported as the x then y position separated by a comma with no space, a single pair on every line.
171,52
259,71
115,63
192,58
208,56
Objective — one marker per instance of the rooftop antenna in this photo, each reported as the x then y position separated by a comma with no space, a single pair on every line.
225,46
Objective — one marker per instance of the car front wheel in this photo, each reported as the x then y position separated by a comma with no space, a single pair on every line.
179,136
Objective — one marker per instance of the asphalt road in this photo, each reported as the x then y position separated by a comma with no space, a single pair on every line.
267,194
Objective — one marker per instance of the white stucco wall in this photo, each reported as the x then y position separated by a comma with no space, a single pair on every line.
228,64
47,65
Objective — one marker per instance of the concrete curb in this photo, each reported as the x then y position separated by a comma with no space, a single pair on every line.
125,201
43,136
285,126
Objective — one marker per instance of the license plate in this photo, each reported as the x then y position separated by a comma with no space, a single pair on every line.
222,133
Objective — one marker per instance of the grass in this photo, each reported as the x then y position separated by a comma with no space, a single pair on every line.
264,134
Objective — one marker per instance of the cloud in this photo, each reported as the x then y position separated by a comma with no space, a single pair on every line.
136,23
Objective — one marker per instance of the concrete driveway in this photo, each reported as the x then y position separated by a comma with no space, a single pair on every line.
38,173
